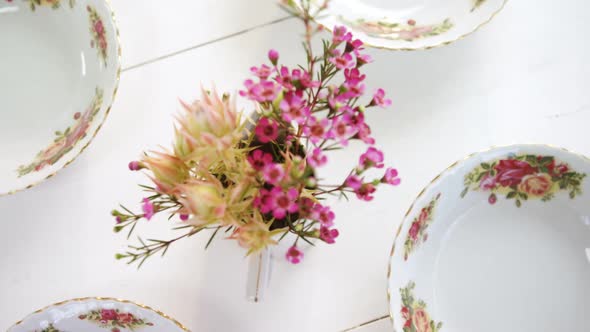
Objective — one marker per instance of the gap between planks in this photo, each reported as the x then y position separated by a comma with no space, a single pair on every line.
366,323
213,41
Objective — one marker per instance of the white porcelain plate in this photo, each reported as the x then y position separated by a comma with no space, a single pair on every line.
59,69
410,24
498,242
97,315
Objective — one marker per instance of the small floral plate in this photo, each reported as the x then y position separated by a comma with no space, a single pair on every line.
97,315
498,242
60,69
409,24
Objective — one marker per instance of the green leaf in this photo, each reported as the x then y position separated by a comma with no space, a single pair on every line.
546,160
480,176
523,196
531,159
572,194
511,194
464,192
485,165
518,203
212,237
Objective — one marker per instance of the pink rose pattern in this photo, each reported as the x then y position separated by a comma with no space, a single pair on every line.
417,232
65,140
50,328
414,313
98,33
115,319
408,31
54,4
524,177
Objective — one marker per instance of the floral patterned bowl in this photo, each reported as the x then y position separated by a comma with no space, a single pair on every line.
410,24
494,243
60,69
97,315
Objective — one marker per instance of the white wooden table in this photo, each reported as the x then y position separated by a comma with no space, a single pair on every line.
523,78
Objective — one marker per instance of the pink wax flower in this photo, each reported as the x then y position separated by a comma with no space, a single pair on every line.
306,81
362,59
263,72
184,217
317,158
259,159
323,214
264,201
273,56
269,91
306,206
273,173
294,255
353,182
266,130
353,90
342,61
338,101
135,166
353,76
365,192
317,129
342,129
354,46
328,235
283,202
364,134
284,78
148,209
294,108
372,158
390,177
340,35
260,92
252,91
380,100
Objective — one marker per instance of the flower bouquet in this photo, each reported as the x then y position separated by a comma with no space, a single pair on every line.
254,179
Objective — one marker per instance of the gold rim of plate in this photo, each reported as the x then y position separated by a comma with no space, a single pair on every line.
104,118
81,299
423,48
429,185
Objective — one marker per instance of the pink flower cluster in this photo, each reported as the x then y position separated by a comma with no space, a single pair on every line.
297,111
264,183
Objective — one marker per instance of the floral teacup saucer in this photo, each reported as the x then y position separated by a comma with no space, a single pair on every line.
410,24
60,69
97,315
498,242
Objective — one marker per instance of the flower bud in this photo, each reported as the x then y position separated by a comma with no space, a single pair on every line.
273,56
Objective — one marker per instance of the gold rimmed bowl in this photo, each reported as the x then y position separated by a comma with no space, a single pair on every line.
60,68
